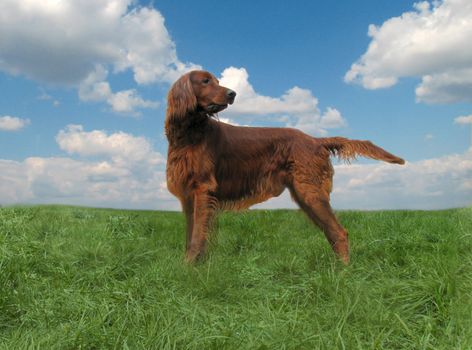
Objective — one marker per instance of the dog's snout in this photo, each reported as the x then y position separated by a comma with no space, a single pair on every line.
230,93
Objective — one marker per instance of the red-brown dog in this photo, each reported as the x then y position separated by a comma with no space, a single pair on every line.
212,165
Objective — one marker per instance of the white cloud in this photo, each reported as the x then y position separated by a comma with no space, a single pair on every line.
119,146
297,107
83,182
465,119
96,88
436,183
65,41
127,100
427,184
13,180
8,123
431,42
46,97
115,170
316,124
452,85
150,52
295,100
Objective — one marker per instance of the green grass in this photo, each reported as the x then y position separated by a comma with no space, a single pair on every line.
79,278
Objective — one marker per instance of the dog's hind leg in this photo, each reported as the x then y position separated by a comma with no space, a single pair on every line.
315,203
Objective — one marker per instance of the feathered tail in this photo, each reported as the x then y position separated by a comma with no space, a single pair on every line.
348,149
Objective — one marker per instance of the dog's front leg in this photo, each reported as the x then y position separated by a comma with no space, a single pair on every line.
187,207
204,209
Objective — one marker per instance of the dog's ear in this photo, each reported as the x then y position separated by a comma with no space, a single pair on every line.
181,99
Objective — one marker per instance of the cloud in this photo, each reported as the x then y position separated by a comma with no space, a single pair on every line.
13,180
427,184
65,41
83,182
46,97
316,124
8,123
454,85
120,146
466,119
127,100
297,107
431,42
95,88
113,169
436,183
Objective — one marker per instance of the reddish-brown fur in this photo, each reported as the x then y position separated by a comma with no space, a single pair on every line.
212,165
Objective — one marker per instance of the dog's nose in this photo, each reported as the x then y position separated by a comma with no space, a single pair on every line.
230,93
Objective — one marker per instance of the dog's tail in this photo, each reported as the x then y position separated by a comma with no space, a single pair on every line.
348,149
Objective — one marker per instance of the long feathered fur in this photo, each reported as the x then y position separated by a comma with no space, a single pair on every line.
181,101
347,150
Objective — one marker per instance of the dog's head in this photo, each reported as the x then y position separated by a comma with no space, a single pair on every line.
197,91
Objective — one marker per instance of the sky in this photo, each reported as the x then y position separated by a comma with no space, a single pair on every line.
83,93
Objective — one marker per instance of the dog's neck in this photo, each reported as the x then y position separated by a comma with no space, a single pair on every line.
188,130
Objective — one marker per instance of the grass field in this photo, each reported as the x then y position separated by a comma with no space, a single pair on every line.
79,278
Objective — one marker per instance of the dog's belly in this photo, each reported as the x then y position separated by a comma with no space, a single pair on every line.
240,195
243,203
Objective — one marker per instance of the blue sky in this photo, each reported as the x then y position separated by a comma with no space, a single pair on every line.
84,84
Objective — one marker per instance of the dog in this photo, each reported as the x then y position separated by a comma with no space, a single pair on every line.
213,166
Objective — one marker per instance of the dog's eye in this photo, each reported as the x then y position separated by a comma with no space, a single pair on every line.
206,81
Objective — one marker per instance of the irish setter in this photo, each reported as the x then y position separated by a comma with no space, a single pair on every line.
212,165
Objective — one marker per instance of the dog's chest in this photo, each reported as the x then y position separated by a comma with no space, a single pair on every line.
188,168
